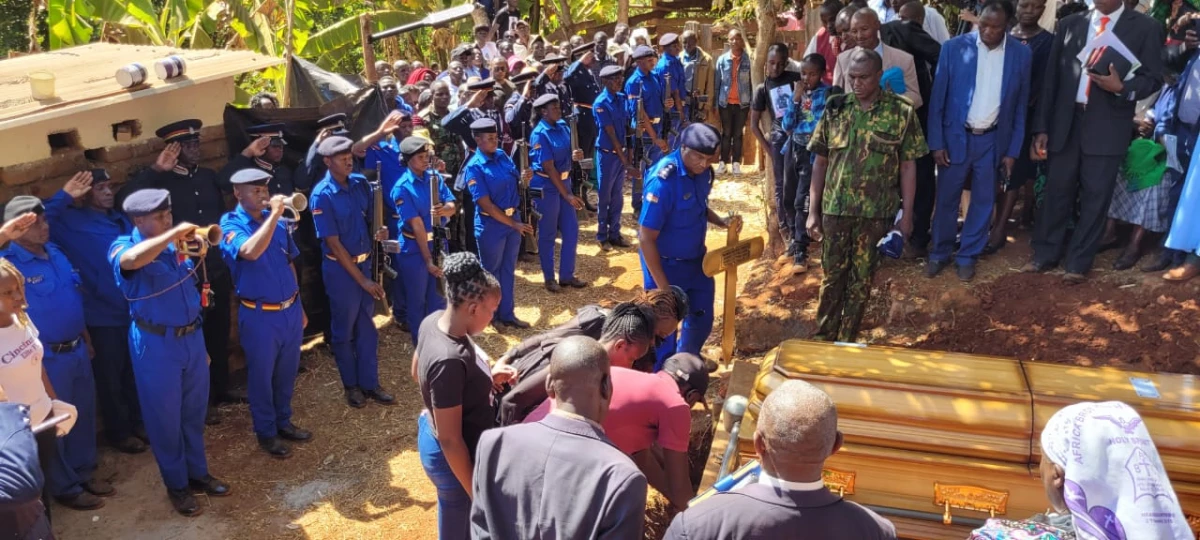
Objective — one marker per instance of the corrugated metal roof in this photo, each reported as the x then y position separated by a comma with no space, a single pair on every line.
84,77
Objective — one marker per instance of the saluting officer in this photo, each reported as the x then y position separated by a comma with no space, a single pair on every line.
265,152
670,65
84,233
56,309
677,212
643,88
550,81
168,353
612,161
550,157
584,90
411,196
198,197
518,110
259,250
313,169
492,179
340,205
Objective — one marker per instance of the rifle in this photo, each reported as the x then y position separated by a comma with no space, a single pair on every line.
527,192
380,261
694,102
669,117
440,232
579,186
639,150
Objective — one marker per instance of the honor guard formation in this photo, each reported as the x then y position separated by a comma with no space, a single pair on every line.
117,300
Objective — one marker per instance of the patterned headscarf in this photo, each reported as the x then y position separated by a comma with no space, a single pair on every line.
1115,486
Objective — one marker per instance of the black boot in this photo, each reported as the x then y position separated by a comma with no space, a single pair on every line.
274,447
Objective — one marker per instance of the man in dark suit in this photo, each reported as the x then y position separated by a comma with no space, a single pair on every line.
975,126
796,432
521,471
1097,104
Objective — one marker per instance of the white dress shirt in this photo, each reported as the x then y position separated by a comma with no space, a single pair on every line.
935,25
989,75
1081,94
766,479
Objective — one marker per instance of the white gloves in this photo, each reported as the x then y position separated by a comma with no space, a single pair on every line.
60,408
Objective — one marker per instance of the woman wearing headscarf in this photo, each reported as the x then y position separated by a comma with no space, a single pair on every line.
1104,480
420,74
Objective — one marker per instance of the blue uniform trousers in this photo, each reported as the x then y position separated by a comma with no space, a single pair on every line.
557,218
354,338
499,247
422,291
610,191
71,374
653,155
116,393
396,292
701,290
272,342
172,383
981,167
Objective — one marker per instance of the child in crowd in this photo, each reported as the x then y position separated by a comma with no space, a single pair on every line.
801,119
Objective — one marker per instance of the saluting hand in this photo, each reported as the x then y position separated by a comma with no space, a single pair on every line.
17,227
167,158
391,123
79,185
257,147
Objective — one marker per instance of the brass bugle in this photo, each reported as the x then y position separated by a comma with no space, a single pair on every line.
203,238
295,203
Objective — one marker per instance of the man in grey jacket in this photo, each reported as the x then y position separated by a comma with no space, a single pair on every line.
796,433
521,470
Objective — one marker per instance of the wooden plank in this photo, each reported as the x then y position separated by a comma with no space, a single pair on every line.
741,383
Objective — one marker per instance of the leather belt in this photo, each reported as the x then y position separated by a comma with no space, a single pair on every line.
507,212
175,331
358,259
584,105
270,307
981,131
66,346
565,175
429,235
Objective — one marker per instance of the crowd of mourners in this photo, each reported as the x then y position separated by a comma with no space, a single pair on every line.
886,137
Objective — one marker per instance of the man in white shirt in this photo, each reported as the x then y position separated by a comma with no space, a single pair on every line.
934,24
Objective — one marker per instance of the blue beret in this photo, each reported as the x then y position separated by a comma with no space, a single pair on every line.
642,51
412,145
274,131
701,137
552,59
22,204
611,71
333,121
146,201
545,99
667,39
483,125
253,175
334,145
183,130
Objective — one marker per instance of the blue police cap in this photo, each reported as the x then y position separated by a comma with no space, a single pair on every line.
701,137
483,125
642,51
274,131
667,39
181,131
333,121
146,201
334,145
545,99
611,71
22,204
412,145
252,175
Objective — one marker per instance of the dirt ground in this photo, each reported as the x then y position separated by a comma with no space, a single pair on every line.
361,476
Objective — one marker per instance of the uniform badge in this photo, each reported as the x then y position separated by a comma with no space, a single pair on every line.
471,182
599,109
536,146
317,212
399,201
687,196
34,280
229,237
652,197
666,172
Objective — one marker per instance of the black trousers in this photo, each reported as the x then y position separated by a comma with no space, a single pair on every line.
796,189
733,124
1073,175
217,320
116,391
47,443
926,196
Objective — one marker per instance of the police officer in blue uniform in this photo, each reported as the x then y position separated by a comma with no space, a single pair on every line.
383,150
22,514
340,205
584,89
518,111
265,152
671,77
84,233
52,290
550,157
260,252
168,349
611,116
550,81
412,199
480,103
644,89
492,179
673,224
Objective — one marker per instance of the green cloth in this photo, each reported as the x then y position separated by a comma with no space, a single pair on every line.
1145,164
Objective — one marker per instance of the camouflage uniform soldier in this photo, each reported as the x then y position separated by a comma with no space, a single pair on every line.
866,140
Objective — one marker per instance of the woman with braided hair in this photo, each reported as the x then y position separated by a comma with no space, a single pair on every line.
456,380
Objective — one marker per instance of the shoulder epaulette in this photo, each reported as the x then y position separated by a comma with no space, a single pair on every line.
667,171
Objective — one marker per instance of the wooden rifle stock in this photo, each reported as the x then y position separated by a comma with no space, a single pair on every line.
380,261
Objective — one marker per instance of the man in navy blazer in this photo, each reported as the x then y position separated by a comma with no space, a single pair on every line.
976,126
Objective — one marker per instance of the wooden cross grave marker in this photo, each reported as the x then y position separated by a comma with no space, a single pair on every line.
727,259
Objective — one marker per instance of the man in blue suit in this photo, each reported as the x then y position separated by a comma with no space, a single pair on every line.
976,126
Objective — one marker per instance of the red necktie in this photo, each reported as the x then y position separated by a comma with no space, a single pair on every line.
1096,53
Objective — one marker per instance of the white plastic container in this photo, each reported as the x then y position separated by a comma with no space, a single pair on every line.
131,75
170,67
41,84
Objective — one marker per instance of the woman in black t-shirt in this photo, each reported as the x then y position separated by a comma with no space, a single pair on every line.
456,381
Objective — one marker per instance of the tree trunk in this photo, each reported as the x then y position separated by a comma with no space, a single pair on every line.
623,11
765,13
35,44
565,24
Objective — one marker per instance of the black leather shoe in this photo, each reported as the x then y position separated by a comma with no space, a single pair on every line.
517,323
355,397
1158,264
552,286
130,445
573,282
966,272
605,246
380,397
619,241
293,433
933,268
1034,267
99,488
81,501
210,486
1126,261
213,417
275,447
184,502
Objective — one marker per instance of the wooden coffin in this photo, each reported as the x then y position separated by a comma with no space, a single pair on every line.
940,441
